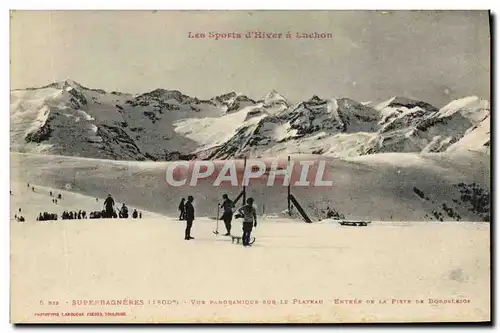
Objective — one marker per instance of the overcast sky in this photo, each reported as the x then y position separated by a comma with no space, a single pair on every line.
433,56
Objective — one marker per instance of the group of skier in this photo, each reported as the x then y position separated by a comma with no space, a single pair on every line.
247,212
109,210
187,213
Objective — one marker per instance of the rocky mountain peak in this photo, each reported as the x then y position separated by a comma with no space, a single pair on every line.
409,103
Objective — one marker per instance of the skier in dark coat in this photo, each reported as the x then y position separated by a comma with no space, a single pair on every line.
182,209
249,220
227,215
189,215
109,204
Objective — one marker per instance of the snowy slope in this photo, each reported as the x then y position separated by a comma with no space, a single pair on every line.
471,107
91,259
476,138
386,187
434,261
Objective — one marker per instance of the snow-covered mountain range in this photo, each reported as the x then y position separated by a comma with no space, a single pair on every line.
66,118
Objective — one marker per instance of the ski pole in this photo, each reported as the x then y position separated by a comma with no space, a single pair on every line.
217,221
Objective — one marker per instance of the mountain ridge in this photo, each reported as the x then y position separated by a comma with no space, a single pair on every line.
68,118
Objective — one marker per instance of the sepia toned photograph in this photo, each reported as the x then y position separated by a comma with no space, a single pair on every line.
209,166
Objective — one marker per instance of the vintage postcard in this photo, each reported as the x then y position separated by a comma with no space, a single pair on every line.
250,166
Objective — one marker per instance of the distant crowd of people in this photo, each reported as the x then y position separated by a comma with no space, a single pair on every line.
100,214
122,213
81,214
107,212
47,217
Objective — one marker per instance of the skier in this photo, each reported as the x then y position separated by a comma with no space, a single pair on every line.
109,204
189,216
249,220
227,215
182,209
134,214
